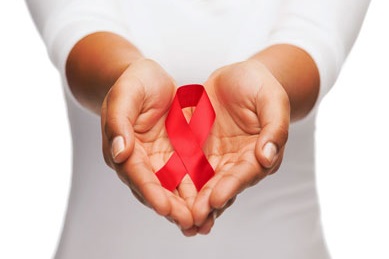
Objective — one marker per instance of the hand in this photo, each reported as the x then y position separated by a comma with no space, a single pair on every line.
248,138
135,141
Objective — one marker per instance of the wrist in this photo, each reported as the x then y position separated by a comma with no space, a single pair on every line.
296,71
95,63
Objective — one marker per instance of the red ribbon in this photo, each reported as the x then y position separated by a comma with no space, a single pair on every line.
187,139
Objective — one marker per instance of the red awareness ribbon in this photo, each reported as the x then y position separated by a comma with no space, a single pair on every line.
187,139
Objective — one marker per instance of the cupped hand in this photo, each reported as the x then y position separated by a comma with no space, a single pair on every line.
248,138
245,145
135,141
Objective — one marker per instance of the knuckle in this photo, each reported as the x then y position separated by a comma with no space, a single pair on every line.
111,126
284,133
280,135
108,128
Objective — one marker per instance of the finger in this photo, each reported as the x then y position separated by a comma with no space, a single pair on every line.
205,229
208,224
179,212
187,191
273,111
190,232
219,212
122,107
278,162
143,181
226,184
241,176
201,207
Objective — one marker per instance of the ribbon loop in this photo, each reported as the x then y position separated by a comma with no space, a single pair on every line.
187,139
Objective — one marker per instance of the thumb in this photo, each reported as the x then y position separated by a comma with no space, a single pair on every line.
273,109
120,109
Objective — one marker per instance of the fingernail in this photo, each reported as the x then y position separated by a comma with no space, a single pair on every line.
270,151
117,147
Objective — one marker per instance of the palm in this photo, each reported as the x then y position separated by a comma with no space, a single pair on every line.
231,145
152,145
152,149
136,108
251,111
241,128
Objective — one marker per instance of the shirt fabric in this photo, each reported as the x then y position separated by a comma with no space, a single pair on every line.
279,217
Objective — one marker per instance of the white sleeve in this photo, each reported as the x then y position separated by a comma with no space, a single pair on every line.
325,29
62,23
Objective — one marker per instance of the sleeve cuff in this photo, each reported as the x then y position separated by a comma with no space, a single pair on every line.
328,55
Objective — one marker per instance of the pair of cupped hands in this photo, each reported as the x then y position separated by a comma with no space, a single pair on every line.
245,144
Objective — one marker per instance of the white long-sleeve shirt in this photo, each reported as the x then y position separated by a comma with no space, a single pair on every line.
278,218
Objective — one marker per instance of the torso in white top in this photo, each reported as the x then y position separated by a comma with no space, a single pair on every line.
279,218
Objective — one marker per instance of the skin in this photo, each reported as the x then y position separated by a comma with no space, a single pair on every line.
255,100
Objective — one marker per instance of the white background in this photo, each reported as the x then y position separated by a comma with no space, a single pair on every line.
35,164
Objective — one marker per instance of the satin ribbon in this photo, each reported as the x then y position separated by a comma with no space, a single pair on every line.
187,139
